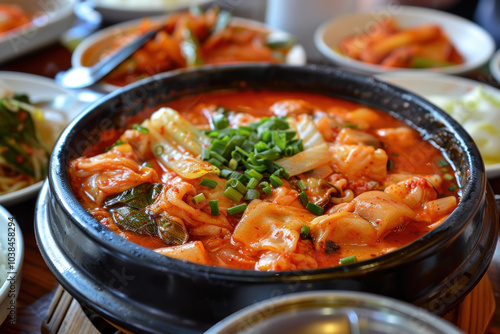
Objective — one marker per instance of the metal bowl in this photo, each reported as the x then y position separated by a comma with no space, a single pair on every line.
142,291
333,312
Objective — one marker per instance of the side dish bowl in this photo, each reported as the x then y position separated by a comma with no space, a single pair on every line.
45,93
53,18
143,291
90,51
474,43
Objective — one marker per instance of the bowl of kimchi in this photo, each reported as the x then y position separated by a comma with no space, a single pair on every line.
189,39
181,199
404,37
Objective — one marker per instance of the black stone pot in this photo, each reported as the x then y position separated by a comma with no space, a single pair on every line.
142,291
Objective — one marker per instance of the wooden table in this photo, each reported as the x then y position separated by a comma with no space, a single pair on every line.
38,284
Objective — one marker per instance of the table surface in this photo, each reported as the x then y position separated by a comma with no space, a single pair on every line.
38,284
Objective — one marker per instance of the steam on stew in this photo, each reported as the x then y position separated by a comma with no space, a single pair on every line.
267,181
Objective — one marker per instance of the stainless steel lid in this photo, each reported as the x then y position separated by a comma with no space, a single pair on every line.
329,312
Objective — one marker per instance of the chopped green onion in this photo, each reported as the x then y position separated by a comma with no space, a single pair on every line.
279,139
158,150
140,128
395,154
271,154
289,151
453,187
220,122
267,190
442,163
240,177
233,194
448,177
301,185
199,198
208,183
226,173
215,162
233,183
218,146
261,147
214,207
444,169
263,185
146,164
275,181
236,209
217,156
252,183
348,260
213,134
254,174
118,142
303,198
266,136
233,164
305,232
205,154
252,194
316,209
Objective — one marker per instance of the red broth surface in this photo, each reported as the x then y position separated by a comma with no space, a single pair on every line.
375,185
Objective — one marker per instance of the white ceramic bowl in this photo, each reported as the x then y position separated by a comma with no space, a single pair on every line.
11,255
56,16
90,50
38,89
115,11
437,84
474,43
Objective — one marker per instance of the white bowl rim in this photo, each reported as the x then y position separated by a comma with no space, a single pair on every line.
145,9
487,49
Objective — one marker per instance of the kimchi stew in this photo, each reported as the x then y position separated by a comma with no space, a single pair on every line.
267,180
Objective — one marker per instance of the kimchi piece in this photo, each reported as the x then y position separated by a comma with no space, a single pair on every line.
267,181
195,38
389,45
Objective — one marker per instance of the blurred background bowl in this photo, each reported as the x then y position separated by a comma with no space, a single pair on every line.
333,312
53,19
474,43
90,51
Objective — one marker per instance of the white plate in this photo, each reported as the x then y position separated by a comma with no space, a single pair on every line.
474,43
56,17
124,10
38,89
495,66
432,84
88,52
